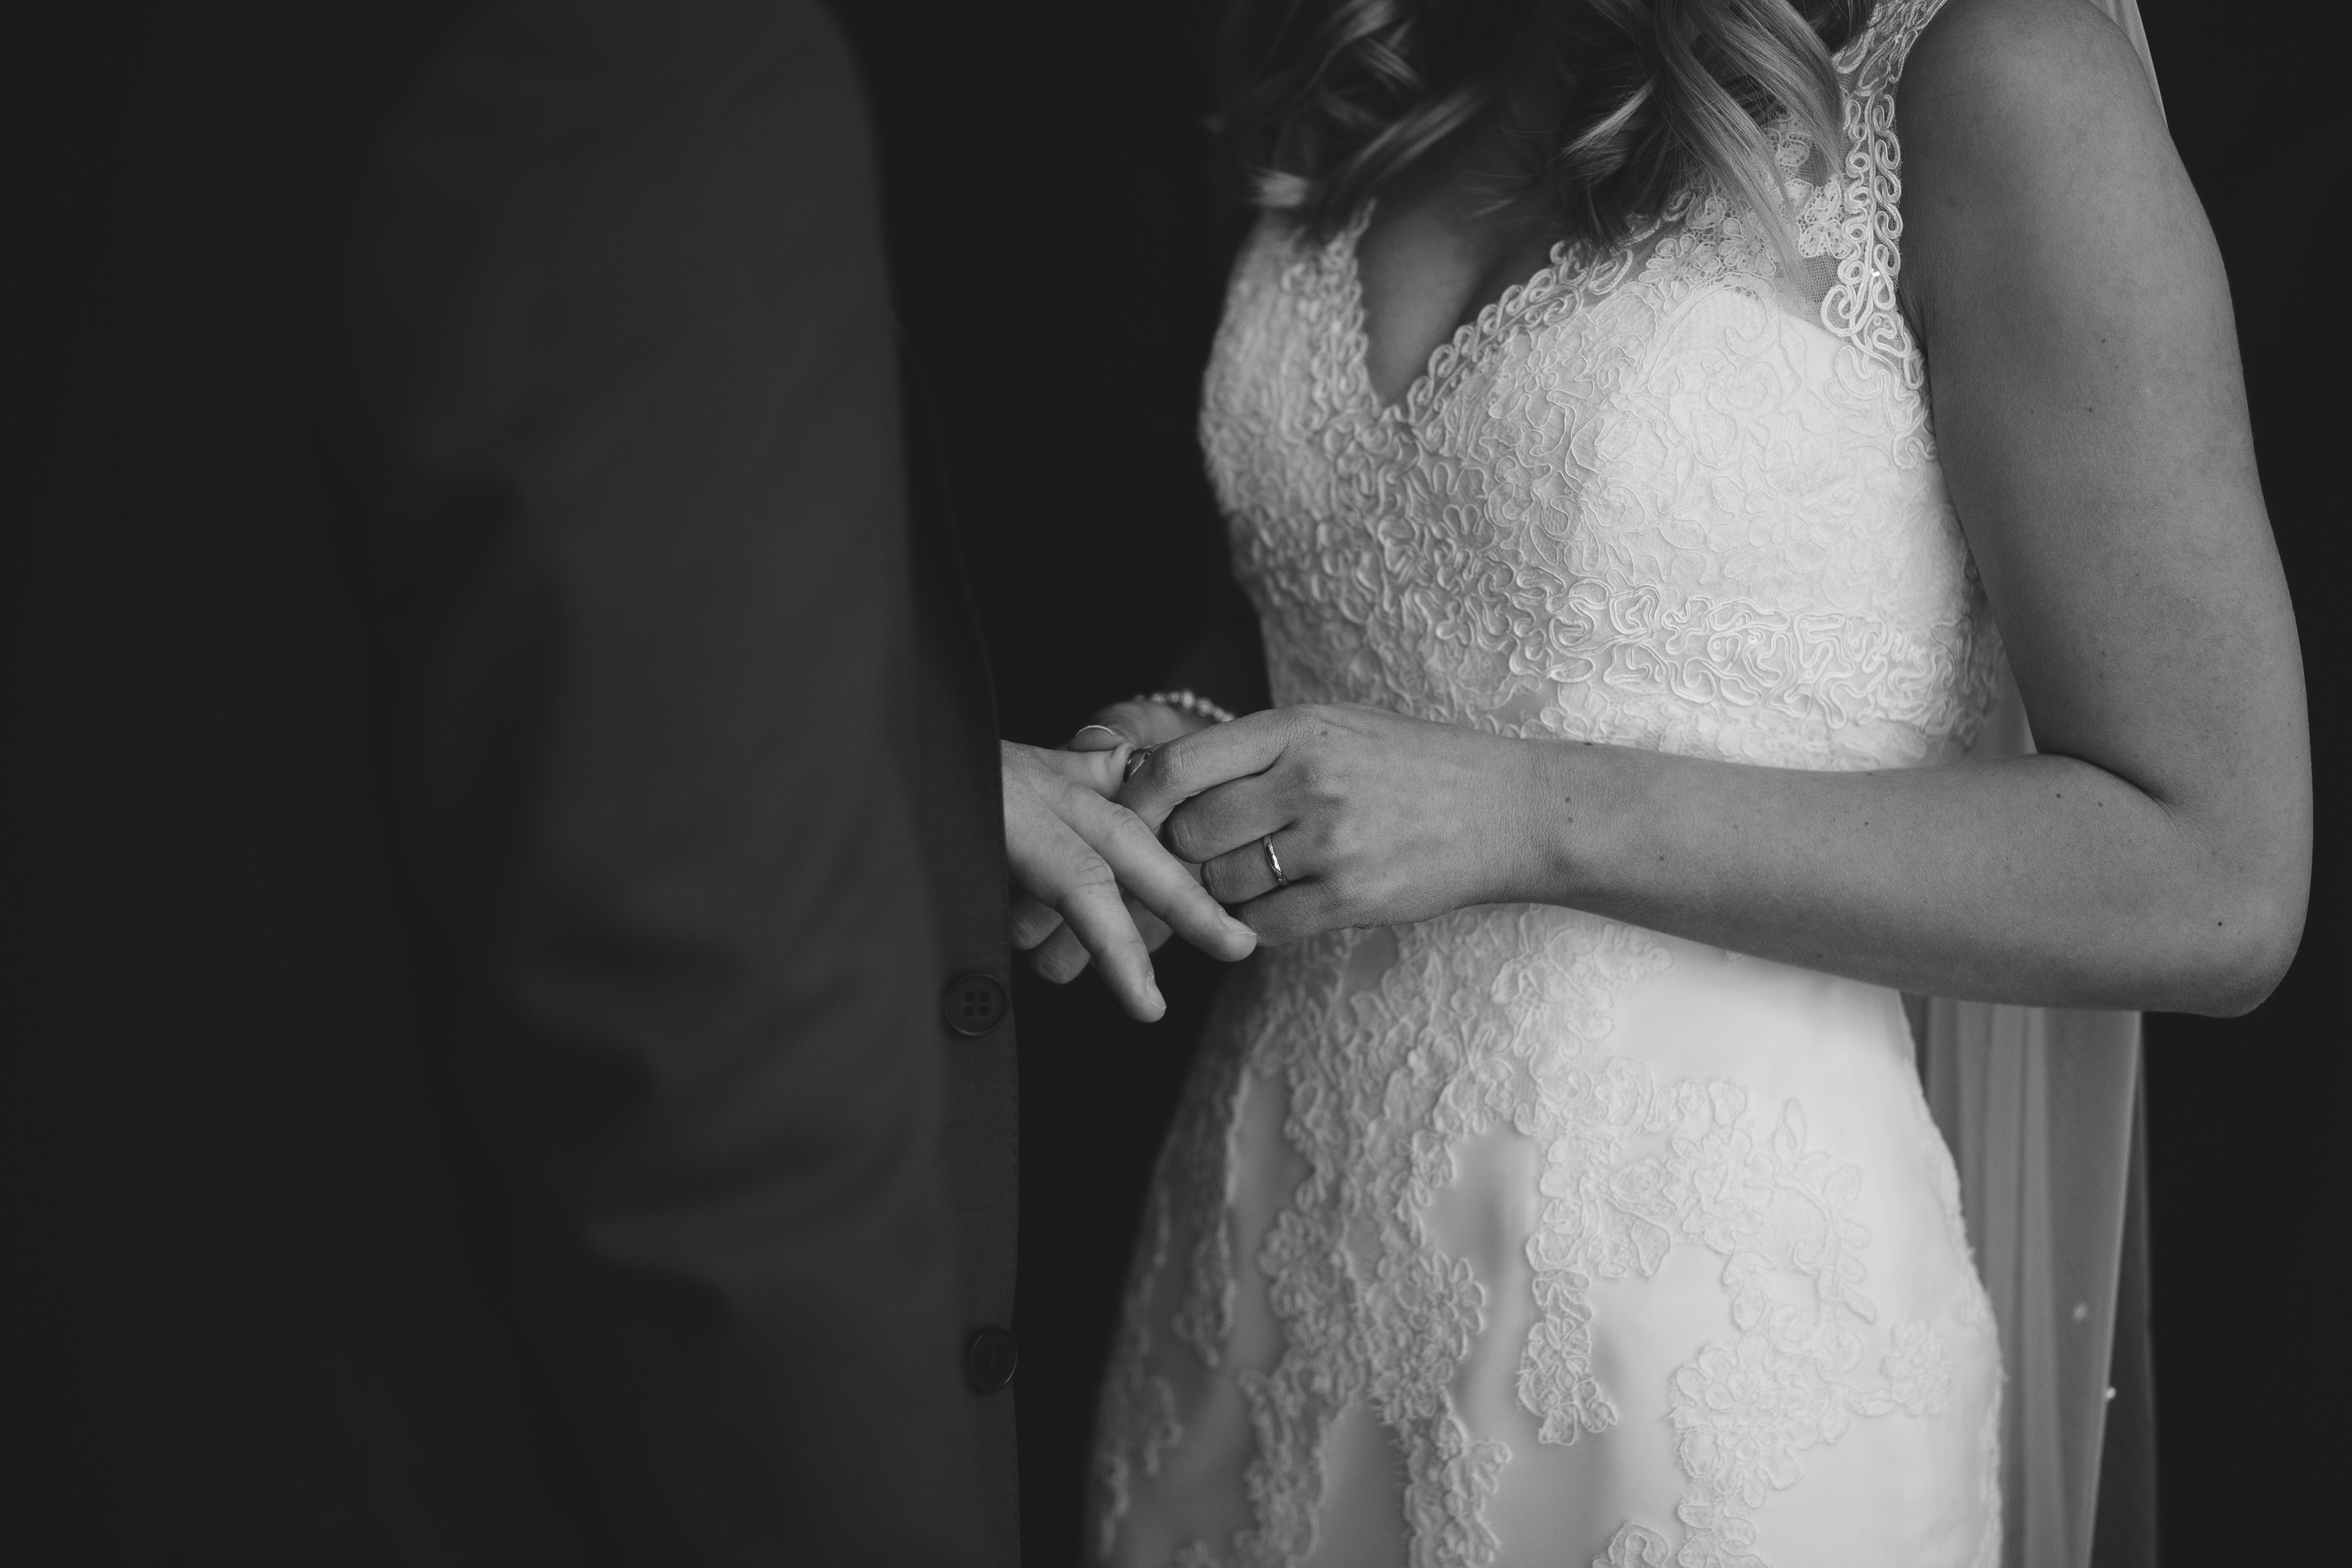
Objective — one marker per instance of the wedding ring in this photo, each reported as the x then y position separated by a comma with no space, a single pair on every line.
1274,862
1143,754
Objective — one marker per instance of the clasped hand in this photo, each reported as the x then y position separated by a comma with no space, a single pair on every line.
1375,818
1089,880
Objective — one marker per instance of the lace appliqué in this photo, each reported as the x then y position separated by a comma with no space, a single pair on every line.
1641,499
1744,1410
1492,1020
1709,241
1675,494
1975,1312
1485,1019
1774,1208
1137,1424
1863,307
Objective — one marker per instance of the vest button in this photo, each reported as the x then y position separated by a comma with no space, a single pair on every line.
990,1359
975,1004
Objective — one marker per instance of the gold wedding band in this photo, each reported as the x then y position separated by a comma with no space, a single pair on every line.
1135,764
1274,862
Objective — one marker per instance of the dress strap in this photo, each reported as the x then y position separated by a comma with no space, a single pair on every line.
1863,305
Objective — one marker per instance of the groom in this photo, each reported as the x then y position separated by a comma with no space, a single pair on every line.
587,1134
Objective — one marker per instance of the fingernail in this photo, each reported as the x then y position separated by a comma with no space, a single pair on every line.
1156,1000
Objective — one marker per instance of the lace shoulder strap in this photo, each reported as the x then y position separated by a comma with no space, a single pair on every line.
1861,306
1872,59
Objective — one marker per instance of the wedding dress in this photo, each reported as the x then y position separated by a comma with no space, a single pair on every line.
1521,1236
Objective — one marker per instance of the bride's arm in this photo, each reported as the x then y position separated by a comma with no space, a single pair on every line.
2093,429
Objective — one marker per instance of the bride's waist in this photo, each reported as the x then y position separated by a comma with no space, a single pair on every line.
1574,983
1678,711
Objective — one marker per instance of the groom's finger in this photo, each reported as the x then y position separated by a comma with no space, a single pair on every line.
1062,957
1101,769
1183,768
1033,921
1154,930
1094,914
1052,863
1158,881
1057,867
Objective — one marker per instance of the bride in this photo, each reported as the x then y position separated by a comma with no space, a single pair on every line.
1649,431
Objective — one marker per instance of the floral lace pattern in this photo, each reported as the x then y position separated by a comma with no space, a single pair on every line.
1669,494
1638,500
1484,1020
1139,1411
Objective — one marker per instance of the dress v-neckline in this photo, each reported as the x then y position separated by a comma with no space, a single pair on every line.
1465,346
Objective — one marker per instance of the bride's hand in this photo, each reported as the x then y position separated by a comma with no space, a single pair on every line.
1375,819
1083,867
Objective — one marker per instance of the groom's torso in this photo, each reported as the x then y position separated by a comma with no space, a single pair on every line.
425,1244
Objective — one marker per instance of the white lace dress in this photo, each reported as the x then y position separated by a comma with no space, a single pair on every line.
1520,1236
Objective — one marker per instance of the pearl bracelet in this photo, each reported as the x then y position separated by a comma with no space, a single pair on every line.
1186,701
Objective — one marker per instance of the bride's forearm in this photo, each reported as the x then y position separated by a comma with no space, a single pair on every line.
2038,879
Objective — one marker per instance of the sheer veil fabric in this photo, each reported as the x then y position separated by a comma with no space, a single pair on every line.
2037,1105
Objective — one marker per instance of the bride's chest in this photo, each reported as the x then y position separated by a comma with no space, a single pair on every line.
1652,481
1679,424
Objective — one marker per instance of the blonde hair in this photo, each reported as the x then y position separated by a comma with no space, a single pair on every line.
1331,101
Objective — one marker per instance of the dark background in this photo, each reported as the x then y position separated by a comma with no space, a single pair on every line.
1060,261
1060,257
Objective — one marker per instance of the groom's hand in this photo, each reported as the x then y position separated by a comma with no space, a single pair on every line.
1078,857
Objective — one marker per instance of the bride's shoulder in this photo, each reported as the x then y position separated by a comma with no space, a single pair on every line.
2028,117
2018,67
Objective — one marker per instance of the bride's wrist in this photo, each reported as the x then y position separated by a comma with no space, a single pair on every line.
1559,822
1189,703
